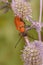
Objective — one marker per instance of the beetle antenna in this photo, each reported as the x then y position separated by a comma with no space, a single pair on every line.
18,41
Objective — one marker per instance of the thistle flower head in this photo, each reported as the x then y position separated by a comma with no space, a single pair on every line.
31,55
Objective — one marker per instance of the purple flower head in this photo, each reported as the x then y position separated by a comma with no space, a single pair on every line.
21,8
4,1
39,45
33,54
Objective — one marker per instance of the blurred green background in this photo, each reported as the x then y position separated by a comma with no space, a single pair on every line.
9,55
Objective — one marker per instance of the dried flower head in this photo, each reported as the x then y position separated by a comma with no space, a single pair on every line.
31,55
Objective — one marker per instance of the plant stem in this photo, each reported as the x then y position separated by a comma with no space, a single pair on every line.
27,40
40,17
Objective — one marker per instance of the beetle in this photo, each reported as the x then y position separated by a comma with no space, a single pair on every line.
22,28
